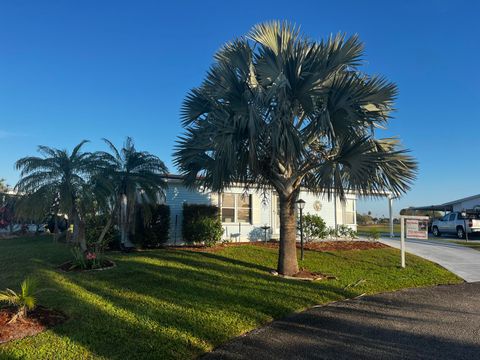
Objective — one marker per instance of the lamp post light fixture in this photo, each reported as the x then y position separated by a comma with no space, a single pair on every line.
301,205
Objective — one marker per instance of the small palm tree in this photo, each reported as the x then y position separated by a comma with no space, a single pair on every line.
280,110
24,301
63,177
135,177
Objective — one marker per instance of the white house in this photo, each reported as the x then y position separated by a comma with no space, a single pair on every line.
245,213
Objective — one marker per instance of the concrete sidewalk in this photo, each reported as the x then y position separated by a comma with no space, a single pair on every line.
461,260
441,322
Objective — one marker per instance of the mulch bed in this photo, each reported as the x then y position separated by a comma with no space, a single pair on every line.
66,266
38,320
313,246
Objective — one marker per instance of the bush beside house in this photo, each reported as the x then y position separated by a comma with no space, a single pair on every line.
153,226
314,227
201,224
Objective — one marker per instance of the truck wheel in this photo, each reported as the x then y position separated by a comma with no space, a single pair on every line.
460,232
435,231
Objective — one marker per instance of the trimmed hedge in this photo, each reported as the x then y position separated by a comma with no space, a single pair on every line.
201,223
153,231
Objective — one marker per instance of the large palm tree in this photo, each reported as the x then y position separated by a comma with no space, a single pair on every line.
135,177
60,176
279,110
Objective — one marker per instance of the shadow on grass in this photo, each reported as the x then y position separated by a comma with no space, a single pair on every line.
173,304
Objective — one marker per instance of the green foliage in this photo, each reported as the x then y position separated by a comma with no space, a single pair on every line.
207,230
314,227
346,232
193,214
127,170
181,304
95,224
25,300
374,234
3,186
342,231
363,219
153,231
79,261
298,104
91,259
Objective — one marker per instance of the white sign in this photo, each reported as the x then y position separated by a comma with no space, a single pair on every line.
416,229
413,227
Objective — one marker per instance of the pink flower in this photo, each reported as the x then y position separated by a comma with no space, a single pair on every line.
91,256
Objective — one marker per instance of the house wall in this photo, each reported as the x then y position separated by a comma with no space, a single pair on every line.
264,211
465,205
175,195
327,208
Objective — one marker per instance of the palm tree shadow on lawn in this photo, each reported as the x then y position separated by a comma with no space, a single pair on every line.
176,311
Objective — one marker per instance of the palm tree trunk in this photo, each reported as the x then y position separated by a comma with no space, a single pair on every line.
105,229
79,231
287,259
82,240
124,224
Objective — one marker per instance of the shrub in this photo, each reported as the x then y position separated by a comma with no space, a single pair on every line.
374,234
343,231
153,230
207,230
346,232
195,213
314,227
91,259
94,225
24,301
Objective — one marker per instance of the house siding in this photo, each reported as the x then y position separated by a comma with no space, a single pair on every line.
467,204
264,211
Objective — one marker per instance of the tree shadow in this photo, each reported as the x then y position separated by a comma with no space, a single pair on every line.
183,304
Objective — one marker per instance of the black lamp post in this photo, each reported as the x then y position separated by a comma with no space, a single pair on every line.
301,205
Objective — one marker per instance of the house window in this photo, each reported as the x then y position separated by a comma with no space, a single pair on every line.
349,212
236,208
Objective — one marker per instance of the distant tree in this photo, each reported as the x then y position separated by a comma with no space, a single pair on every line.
363,219
280,110
3,186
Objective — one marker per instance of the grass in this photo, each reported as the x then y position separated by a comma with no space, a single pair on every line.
163,304
380,228
473,245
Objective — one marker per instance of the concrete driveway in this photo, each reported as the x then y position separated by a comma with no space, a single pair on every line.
462,261
441,322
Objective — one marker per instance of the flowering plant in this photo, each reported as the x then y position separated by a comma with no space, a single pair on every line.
91,256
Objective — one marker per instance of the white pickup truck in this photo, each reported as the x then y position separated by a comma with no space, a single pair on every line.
457,223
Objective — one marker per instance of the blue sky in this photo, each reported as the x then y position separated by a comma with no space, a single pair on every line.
73,70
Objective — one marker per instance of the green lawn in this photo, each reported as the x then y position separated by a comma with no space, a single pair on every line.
381,228
163,304
473,245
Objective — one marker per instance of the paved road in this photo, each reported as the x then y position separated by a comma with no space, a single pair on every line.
442,322
462,261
